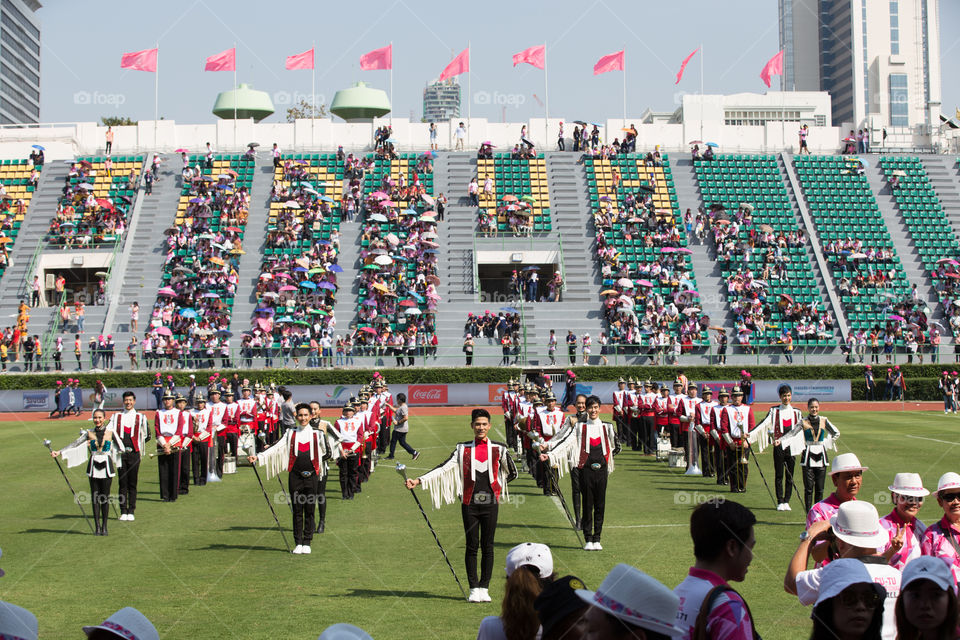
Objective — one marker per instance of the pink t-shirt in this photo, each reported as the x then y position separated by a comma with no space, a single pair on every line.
936,542
728,618
912,538
824,510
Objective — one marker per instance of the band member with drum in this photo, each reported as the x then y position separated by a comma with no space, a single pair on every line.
186,445
302,452
477,472
736,423
590,446
703,425
103,446
134,431
202,439
168,427
779,423
350,429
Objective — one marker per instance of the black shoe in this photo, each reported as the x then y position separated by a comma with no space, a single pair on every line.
577,526
416,454
320,527
389,458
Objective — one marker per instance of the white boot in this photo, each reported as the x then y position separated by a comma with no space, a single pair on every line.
474,595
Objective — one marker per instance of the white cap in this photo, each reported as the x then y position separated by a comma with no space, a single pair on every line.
949,480
17,622
908,484
846,462
533,554
858,523
843,573
634,597
128,623
932,568
344,631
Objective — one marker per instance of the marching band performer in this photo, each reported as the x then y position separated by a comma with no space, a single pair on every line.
369,425
134,432
547,425
736,423
333,440
580,415
218,410
231,431
781,421
819,434
619,406
590,447
270,404
647,424
507,402
246,416
674,411
660,413
477,472
103,446
302,451
525,413
688,420
350,429
186,445
168,429
203,439
703,425
719,444
384,400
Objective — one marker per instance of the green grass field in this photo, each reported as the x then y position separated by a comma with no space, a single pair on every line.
212,564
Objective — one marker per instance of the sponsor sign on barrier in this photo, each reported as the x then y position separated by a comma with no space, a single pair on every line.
803,390
495,393
33,400
427,394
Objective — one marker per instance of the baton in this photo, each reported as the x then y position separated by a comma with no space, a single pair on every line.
270,504
762,477
402,470
46,443
563,503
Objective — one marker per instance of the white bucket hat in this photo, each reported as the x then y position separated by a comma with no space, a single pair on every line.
846,462
858,523
637,599
344,631
949,480
908,484
843,573
533,554
128,623
16,622
930,568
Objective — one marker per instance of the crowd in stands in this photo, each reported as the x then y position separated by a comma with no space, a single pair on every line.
85,218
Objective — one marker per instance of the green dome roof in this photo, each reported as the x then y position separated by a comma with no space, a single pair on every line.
249,104
360,102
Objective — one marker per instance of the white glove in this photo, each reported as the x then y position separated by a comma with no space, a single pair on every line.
728,439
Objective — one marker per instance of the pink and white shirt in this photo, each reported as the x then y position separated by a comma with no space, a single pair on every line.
728,618
936,541
824,510
912,537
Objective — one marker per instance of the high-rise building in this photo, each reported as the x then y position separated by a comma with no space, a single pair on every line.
441,101
878,59
19,62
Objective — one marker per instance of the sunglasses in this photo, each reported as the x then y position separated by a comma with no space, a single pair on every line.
950,497
850,599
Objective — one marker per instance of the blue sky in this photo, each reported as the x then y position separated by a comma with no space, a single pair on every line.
83,41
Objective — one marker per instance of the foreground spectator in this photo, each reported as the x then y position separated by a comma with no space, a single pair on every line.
630,604
529,571
850,604
927,606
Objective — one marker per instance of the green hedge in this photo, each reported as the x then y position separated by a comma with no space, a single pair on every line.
921,380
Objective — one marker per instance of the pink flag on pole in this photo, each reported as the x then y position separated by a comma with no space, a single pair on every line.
378,59
145,60
460,64
612,62
683,65
223,61
300,61
774,67
535,56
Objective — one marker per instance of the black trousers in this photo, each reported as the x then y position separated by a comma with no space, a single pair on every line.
720,462
383,437
167,465
674,431
649,434
636,428
349,476
400,437
184,476
200,453
225,442
322,499
593,484
813,486
738,470
575,479
127,480
303,499
511,434
783,464
100,500
706,455
479,527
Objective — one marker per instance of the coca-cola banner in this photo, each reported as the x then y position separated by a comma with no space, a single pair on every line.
427,394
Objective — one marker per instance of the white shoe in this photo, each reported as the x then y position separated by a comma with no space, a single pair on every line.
597,546
474,596
786,506
305,549
298,549
127,516
588,546
779,506
485,595
130,517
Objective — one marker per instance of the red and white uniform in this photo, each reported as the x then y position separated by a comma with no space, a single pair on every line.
506,404
202,426
548,423
704,415
646,402
526,410
715,424
661,412
231,419
188,429
132,424
688,409
247,413
619,403
168,427
351,434
737,421
781,420
674,410
218,411
458,474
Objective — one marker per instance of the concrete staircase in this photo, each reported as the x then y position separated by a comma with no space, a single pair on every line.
945,179
903,243
139,278
710,283
255,234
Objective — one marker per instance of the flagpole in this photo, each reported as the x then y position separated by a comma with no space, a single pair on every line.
234,94
156,99
469,94
313,90
701,94
624,88
391,84
546,102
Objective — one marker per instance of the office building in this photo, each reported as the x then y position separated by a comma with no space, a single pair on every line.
19,62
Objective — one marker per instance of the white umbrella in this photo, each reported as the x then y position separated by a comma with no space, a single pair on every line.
383,260
291,204
412,311
625,282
